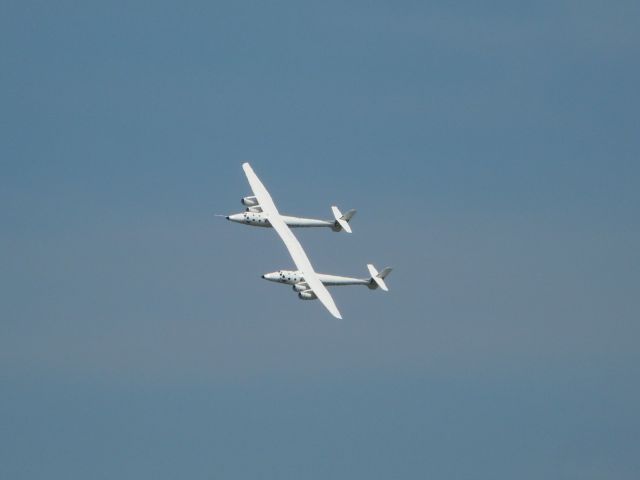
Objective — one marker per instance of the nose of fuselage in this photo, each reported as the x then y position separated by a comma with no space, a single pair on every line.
272,277
238,217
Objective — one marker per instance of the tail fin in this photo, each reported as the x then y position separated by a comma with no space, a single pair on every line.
342,221
377,279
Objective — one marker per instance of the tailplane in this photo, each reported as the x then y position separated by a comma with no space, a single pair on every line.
377,278
342,221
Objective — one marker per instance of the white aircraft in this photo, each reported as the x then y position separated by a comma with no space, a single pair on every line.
309,284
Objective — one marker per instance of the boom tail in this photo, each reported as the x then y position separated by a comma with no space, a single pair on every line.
377,278
342,221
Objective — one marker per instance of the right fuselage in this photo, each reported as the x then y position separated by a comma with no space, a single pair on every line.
294,277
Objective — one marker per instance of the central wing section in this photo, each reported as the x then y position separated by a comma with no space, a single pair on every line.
290,241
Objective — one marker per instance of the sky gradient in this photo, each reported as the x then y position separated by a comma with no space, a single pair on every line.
492,153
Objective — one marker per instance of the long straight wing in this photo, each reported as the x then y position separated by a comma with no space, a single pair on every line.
290,241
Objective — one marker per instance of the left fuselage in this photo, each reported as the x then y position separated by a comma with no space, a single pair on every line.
259,219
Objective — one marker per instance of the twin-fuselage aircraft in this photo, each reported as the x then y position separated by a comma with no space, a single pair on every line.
310,285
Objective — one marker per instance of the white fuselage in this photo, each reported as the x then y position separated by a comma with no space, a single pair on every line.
259,219
294,277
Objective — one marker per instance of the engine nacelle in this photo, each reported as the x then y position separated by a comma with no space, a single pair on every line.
307,296
300,287
249,201
256,209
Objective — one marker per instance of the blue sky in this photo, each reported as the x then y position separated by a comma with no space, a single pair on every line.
492,153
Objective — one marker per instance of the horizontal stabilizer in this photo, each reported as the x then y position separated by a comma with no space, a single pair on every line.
385,272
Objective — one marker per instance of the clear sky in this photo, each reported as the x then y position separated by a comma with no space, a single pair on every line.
492,152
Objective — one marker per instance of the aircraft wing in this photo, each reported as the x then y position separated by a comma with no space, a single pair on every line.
290,241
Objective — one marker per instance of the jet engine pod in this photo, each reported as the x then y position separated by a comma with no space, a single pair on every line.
307,296
249,201
300,287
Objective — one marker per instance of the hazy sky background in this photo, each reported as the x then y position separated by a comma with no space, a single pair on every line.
492,152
